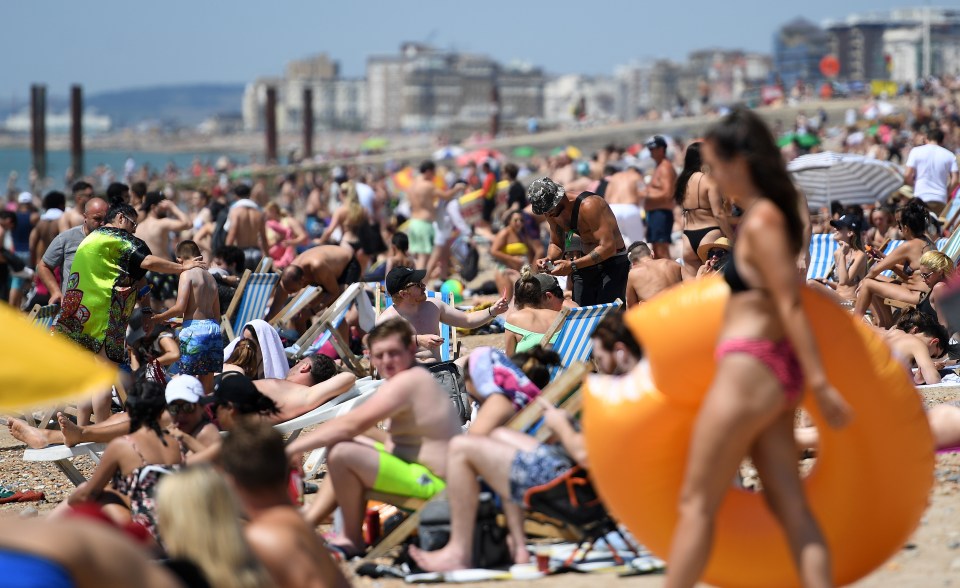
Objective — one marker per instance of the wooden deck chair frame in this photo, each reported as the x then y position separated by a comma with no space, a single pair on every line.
829,263
226,321
953,243
41,313
951,214
295,306
559,389
325,323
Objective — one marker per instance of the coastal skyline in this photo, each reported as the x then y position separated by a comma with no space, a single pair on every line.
60,42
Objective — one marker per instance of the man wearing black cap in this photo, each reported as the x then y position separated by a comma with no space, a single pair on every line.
405,285
600,275
162,218
658,200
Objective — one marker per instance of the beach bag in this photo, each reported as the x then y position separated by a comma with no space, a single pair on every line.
448,375
489,538
470,266
569,498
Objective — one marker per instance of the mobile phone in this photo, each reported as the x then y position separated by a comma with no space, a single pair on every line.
550,266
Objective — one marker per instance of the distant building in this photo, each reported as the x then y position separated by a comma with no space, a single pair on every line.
858,45
568,98
338,103
798,48
427,89
59,124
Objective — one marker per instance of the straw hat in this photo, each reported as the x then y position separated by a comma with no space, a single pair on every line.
721,243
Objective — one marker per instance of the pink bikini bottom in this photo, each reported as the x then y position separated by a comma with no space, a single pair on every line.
778,356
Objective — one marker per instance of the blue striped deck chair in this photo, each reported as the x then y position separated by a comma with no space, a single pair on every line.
295,306
890,246
822,247
251,301
449,334
951,248
574,327
950,214
941,243
43,316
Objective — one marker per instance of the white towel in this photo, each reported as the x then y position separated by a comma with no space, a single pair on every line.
274,358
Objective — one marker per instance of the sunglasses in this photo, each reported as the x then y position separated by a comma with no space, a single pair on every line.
926,275
181,408
131,221
716,253
420,285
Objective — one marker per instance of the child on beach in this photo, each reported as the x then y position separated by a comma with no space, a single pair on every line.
201,343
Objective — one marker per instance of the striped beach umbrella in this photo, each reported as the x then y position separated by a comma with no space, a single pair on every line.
850,179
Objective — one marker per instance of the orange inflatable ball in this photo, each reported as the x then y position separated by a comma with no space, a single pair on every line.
869,486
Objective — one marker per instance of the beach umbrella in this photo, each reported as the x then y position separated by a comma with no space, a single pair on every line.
524,151
40,368
448,152
374,144
806,140
847,178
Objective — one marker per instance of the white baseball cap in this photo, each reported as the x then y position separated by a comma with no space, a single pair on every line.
186,388
25,198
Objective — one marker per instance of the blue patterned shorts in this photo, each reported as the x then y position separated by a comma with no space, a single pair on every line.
535,468
201,348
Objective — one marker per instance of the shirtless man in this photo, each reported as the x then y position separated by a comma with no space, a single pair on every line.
659,199
423,196
623,195
253,460
329,266
411,462
73,217
410,302
48,227
648,276
599,276
162,217
248,228
310,383
61,250
201,342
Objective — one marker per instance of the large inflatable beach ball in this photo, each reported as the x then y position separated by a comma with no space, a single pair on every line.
454,288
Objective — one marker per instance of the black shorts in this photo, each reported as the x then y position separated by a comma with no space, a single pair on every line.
659,226
350,274
602,283
489,205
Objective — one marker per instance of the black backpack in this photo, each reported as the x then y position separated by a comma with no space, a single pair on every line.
490,548
471,264
219,238
447,374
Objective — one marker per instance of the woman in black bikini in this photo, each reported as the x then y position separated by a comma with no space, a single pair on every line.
765,351
910,287
849,262
704,217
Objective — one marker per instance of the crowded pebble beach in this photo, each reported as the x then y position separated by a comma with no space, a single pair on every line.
328,353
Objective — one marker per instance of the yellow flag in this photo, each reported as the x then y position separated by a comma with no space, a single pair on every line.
39,368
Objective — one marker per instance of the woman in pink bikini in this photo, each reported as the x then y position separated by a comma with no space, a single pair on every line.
765,351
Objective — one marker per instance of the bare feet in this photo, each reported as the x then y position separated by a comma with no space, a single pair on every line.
32,436
345,547
71,431
520,553
442,560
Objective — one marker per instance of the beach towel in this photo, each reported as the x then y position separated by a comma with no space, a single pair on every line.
271,348
101,291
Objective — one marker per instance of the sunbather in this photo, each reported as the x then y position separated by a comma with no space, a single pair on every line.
199,520
915,341
511,463
253,458
272,361
935,270
412,459
905,263
615,351
503,386
125,464
74,553
313,381
538,299
849,261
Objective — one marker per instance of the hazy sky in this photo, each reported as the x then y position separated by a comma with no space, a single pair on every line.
111,44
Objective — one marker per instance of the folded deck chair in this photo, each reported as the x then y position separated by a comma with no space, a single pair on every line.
302,300
450,349
43,316
559,389
250,301
887,249
325,328
822,247
574,328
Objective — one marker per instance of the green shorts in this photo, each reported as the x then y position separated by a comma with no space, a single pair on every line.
420,233
402,478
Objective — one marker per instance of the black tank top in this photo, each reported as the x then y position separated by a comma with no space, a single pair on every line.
732,276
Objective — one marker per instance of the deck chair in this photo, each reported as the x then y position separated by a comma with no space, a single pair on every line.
951,248
302,300
251,301
951,214
574,327
822,247
43,316
557,391
325,328
450,350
